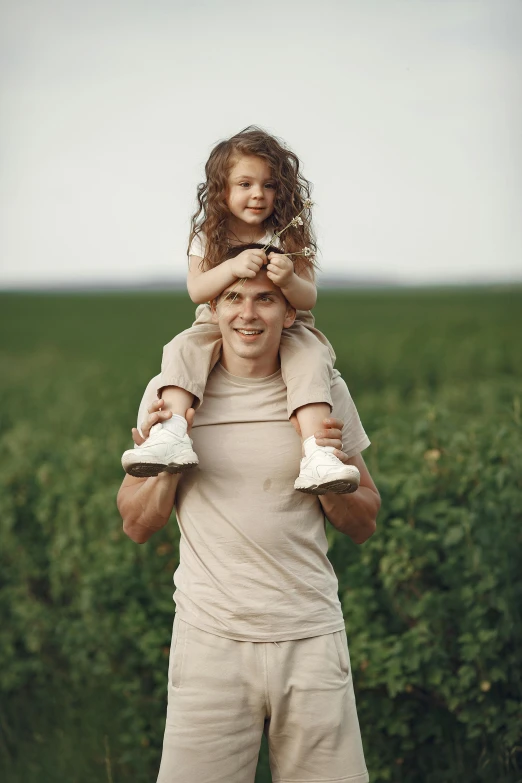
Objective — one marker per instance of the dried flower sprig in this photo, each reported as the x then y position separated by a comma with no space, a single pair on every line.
296,221
306,251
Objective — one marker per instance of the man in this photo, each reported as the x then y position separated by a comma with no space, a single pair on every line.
259,641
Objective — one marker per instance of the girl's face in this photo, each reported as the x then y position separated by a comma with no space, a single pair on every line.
250,192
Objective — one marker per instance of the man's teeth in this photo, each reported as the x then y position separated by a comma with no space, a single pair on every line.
249,331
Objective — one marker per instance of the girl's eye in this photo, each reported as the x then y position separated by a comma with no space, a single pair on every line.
270,185
244,185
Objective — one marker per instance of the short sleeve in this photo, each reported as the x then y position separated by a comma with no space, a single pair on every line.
198,246
354,437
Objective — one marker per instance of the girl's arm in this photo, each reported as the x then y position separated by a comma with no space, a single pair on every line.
300,291
204,285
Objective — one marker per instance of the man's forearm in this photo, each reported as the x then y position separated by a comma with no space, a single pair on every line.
354,515
146,504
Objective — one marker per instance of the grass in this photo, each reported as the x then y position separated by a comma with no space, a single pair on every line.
74,366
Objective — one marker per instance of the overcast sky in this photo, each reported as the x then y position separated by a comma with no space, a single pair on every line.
406,114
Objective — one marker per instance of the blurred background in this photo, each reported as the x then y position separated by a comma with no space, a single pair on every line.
407,118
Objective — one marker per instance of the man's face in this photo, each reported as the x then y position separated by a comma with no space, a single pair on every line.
251,318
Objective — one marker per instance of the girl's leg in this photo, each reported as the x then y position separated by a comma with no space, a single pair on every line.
187,362
177,400
307,360
310,418
307,368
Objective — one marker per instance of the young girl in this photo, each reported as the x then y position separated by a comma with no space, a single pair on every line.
253,189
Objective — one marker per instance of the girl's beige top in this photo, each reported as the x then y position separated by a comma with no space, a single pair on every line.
253,563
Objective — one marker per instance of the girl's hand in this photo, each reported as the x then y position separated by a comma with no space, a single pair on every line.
280,270
247,264
156,414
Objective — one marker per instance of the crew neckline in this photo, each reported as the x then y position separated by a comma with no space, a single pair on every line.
239,380
267,237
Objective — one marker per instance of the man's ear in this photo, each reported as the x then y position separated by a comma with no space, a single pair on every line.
213,311
289,317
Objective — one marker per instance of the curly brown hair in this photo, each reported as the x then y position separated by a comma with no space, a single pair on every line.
292,190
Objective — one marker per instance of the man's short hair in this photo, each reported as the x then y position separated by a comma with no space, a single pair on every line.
235,250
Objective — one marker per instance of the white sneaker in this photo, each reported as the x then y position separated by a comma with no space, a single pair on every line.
322,472
163,450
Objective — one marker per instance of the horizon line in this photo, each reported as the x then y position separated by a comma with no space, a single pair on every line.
328,282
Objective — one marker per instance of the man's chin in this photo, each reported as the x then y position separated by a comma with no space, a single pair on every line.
246,348
248,351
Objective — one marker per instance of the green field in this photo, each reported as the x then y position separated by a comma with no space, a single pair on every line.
432,602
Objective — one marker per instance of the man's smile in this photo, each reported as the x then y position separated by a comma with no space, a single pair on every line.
249,332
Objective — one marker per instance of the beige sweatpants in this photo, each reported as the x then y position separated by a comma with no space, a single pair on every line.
222,694
307,359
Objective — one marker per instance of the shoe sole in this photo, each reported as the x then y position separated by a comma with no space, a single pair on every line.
147,470
337,487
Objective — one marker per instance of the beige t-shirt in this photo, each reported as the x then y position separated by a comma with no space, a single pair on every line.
253,563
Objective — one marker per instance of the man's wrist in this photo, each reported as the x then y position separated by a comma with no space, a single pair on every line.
139,532
333,503
352,514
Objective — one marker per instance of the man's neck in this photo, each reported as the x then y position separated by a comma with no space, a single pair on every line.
249,368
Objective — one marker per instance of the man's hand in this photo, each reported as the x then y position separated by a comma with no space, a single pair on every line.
353,514
280,270
330,435
247,264
156,414
145,504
